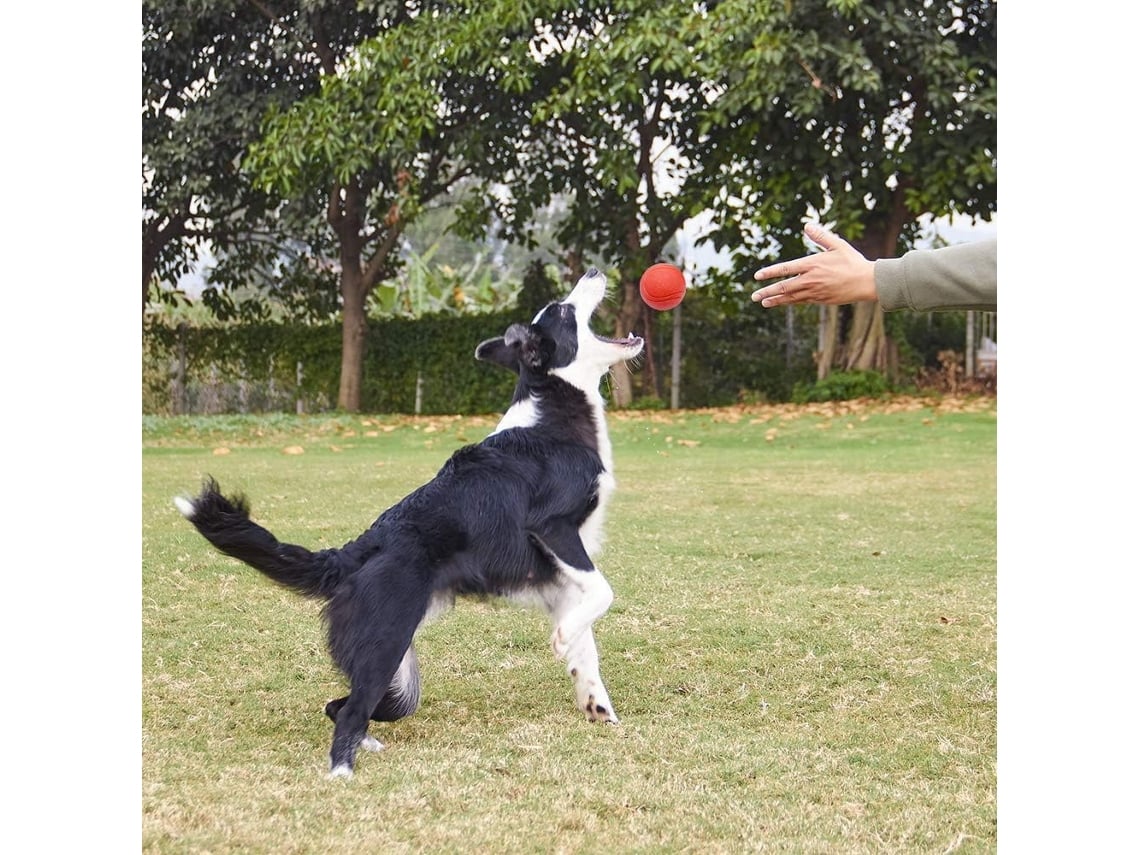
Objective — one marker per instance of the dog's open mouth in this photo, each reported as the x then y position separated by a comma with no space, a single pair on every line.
630,340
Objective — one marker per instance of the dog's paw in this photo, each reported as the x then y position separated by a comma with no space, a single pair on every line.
371,743
340,772
602,711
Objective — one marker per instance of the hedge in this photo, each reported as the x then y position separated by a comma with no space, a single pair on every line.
727,357
271,366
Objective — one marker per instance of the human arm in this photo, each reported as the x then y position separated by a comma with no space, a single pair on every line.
963,276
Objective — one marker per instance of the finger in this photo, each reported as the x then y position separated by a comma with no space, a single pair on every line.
824,237
766,292
770,296
784,268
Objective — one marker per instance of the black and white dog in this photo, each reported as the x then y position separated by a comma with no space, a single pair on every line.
517,515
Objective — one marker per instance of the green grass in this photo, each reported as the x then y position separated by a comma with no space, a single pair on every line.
802,647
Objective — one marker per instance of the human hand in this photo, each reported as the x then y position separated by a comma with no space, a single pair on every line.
840,274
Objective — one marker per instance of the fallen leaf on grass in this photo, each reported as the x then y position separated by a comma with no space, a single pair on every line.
292,449
221,451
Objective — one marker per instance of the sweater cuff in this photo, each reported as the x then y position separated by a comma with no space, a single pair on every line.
890,283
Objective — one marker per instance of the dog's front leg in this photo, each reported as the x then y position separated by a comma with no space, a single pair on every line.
582,597
583,667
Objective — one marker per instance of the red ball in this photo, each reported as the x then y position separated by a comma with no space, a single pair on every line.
663,287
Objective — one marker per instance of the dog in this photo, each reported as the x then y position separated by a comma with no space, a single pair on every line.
518,515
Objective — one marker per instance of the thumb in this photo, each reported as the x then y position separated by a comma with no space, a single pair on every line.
825,238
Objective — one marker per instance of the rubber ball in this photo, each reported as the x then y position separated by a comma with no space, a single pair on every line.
663,286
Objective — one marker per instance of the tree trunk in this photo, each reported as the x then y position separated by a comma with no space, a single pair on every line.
622,381
865,347
149,264
828,340
354,332
346,216
156,235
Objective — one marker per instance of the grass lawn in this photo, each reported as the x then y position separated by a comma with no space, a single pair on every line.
802,648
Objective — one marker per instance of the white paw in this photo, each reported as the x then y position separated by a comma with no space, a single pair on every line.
340,772
598,708
371,743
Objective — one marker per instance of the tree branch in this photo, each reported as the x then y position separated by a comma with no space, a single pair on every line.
818,83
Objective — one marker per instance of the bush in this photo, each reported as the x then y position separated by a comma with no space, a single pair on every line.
254,367
842,386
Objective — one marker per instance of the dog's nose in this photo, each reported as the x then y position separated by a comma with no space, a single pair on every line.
591,273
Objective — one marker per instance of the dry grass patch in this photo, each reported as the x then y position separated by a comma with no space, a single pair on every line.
802,649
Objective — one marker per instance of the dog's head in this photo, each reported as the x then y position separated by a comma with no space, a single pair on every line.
559,341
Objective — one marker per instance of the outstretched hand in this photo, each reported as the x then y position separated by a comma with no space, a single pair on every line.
840,274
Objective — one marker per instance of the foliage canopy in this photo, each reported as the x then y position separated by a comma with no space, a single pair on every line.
328,130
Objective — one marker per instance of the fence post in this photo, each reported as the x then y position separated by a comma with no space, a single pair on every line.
789,335
181,404
419,391
675,374
970,346
300,376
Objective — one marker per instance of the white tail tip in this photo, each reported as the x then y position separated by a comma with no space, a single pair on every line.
185,507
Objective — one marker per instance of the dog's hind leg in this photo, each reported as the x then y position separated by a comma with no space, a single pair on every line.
402,698
575,601
368,697
371,625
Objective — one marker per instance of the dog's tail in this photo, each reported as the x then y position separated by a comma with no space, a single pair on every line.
226,524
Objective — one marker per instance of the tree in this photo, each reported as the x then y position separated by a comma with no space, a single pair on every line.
867,115
400,121
210,71
762,112
619,133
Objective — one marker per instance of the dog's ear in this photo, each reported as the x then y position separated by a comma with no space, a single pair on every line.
520,346
498,352
534,348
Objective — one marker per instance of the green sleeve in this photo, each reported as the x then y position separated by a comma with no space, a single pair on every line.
963,276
